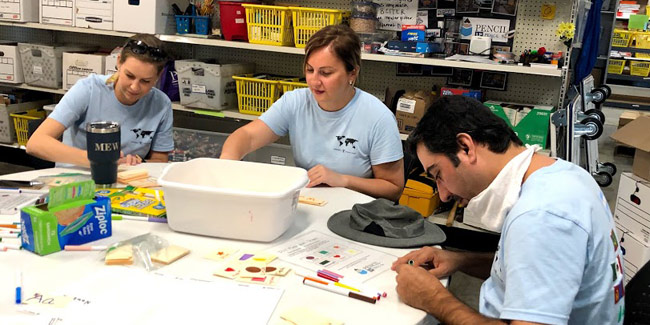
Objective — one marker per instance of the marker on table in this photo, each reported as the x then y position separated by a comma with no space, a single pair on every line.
9,235
138,218
340,279
14,225
19,287
338,290
77,248
427,266
5,246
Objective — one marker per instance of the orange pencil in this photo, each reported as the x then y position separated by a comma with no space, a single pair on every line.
9,226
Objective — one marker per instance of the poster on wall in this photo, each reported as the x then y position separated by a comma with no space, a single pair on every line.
505,7
466,6
392,14
497,29
427,4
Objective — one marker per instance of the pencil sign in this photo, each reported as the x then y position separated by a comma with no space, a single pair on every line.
496,29
392,14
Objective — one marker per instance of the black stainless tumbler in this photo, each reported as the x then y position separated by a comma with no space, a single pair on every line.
103,146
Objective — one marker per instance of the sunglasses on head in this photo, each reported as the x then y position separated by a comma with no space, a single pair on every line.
139,47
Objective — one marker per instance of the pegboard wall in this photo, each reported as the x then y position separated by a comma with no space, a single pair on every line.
532,32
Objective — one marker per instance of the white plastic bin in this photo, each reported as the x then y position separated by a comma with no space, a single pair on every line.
231,199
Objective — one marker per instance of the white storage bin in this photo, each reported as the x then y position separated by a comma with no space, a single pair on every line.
42,64
209,85
231,199
57,12
146,16
80,65
94,14
11,68
19,10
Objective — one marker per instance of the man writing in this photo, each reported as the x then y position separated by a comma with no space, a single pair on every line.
558,260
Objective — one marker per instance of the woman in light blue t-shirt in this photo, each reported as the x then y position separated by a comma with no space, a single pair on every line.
342,135
127,97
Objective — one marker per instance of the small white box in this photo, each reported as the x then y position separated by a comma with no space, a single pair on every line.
19,10
79,65
111,62
231,199
636,254
58,12
209,86
42,63
94,14
11,68
146,16
632,212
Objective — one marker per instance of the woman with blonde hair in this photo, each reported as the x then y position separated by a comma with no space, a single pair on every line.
342,135
127,97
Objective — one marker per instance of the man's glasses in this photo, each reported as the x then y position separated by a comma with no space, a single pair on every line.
139,47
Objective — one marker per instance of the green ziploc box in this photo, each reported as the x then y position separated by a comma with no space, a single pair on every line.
529,123
73,216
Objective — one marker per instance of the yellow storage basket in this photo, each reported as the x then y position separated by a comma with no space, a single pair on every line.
642,55
255,94
289,85
269,25
307,21
21,123
643,40
639,68
622,38
615,66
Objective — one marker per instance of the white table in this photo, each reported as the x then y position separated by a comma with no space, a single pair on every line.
55,270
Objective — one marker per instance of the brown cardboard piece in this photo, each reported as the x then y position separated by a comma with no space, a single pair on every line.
636,134
410,109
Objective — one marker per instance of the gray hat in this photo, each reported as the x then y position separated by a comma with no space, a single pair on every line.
382,223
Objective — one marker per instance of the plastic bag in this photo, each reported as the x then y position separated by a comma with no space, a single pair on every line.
169,81
141,248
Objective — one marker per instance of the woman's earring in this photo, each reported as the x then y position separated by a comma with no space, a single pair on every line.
351,82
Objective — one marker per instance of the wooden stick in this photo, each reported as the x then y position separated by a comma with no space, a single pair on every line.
452,214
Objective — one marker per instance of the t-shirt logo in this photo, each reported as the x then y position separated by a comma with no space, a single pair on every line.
343,140
140,133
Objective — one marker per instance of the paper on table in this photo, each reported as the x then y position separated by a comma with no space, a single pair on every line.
315,251
124,296
10,203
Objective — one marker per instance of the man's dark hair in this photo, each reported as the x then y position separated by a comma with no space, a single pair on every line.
451,115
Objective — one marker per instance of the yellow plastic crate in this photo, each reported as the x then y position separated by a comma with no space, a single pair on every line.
642,55
269,25
622,38
255,94
615,66
289,85
21,123
639,68
307,21
643,40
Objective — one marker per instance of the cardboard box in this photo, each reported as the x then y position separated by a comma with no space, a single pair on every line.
209,86
410,109
42,64
79,65
632,211
529,123
146,16
57,12
629,116
7,130
636,254
94,14
11,68
110,65
73,216
19,10
635,134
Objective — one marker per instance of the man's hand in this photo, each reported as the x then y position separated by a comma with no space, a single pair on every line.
417,287
320,174
444,262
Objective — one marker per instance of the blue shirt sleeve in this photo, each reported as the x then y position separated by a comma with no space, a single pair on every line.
544,261
386,143
74,103
163,140
278,116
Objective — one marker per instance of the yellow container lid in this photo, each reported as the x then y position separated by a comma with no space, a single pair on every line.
418,189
